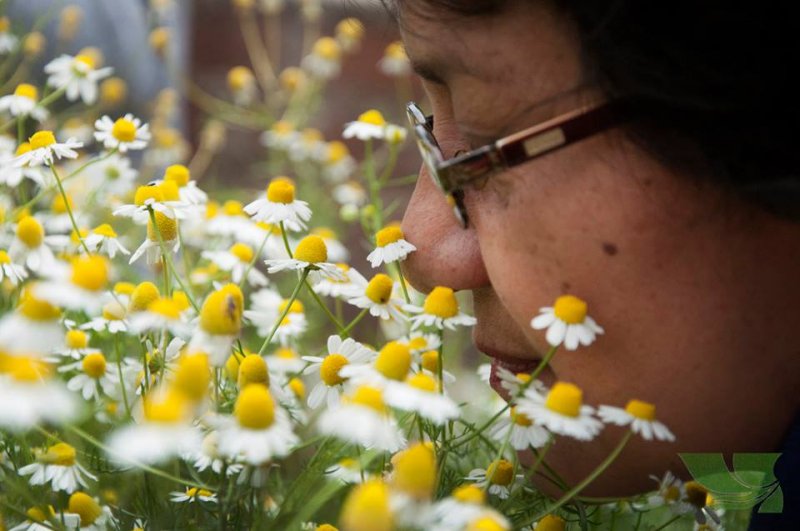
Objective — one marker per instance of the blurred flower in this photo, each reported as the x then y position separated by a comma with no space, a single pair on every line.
567,322
367,508
59,467
349,33
324,61
104,240
219,324
44,150
11,271
193,494
77,75
363,418
24,103
242,85
281,135
93,516
33,328
11,174
341,288
164,230
8,41
524,433
395,62
238,261
419,393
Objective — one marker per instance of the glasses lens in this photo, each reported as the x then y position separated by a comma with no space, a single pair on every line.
431,155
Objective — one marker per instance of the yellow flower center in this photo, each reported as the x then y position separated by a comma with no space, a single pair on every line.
42,139
520,419
641,410
280,191
565,398
90,272
59,205
181,299
485,523
329,369
36,514
325,233
550,522
327,48
379,289
86,507
337,151
523,377
282,127
25,368
242,251
441,302
326,527
86,60
76,339
570,309
142,296
37,309
255,408
124,130
671,494
297,387
61,454
370,397
253,370
291,79
396,50
423,382
239,78
94,365
169,408
430,361
193,492
388,235
415,471
178,174
221,313
23,148
167,226
105,230
170,190
372,117
232,208
113,91
232,368
113,311
469,494
350,28
367,508
27,91
143,193
30,232
193,375
500,472
4,258
394,361
311,249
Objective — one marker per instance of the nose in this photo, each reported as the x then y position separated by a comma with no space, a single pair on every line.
447,255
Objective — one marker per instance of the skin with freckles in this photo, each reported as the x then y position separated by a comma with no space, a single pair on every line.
696,290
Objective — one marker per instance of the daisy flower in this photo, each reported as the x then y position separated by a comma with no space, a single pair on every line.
263,316
78,75
44,150
24,103
259,431
347,470
499,476
419,393
395,62
230,221
279,205
670,493
363,418
376,296
464,504
95,375
390,365
325,59
281,135
112,319
82,287
337,251
104,239
219,324
188,190
350,193
192,494
341,288
8,41
32,247
146,198
337,163
165,230
242,85
310,254
439,310
567,322
160,315
123,134
77,128
167,146
93,516
308,145
390,247
285,361
59,467
207,457
39,520
349,33
33,328
76,345
238,260
561,411
370,124
340,353
11,271
641,416
524,433
12,175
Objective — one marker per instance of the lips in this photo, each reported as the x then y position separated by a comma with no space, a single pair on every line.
512,364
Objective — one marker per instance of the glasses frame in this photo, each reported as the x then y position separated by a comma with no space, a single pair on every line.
452,175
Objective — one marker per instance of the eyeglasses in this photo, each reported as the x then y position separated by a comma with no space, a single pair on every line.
451,176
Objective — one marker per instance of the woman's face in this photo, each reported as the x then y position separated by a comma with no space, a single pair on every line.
690,286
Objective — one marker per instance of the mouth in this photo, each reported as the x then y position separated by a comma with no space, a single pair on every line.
512,364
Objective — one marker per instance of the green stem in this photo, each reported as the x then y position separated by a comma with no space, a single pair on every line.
121,379
354,322
285,240
325,309
168,258
285,312
69,209
253,261
498,457
374,186
402,283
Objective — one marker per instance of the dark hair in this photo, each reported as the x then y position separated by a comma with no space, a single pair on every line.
711,81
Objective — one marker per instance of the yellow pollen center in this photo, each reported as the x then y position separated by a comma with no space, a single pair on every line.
672,493
90,272
76,339
94,365
42,139
337,151
296,307
124,130
255,408
327,48
311,249
641,410
36,514
523,377
232,208
239,78
396,50
193,375
297,387
520,419
242,251
367,508
394,361
500,472
388,235
177,173
4,258
280,191
329,369
430,361
441,302
351,28
326,527
25,368
165,307
415,471
372,117
30,232
253,370
37,309
142,296
27,91
485,523
167,226
84,506
286,353
469,494
61,454
168,409
59,205
370,397
551,522
113,311
143,193
221,313
423,382
87,60
170,190
570,309
23,148
105,230
379,289
565,398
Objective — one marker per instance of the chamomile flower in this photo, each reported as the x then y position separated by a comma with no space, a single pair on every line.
567,322
390,246
363,418
188,190
103,239
122,134
280,136
59,467
498,476
207,457
160,315
369,125
112,319
419,393
349,33
439,310
219,324
230,221
193,494
44,150
463,505
341,288
337,163
238,260
280,206
24,102
525,433
670,493
310,254
395,62
37,519
285,361
340,354
34,327
76,345
8,41
259,430
350,193
561,411
146,198
112,175
337,251
325,59
376,296
347,470
11,271
164,230
93,516
32,246
95,375
641,416
82,287
308,145
242,85
78,75
12,175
